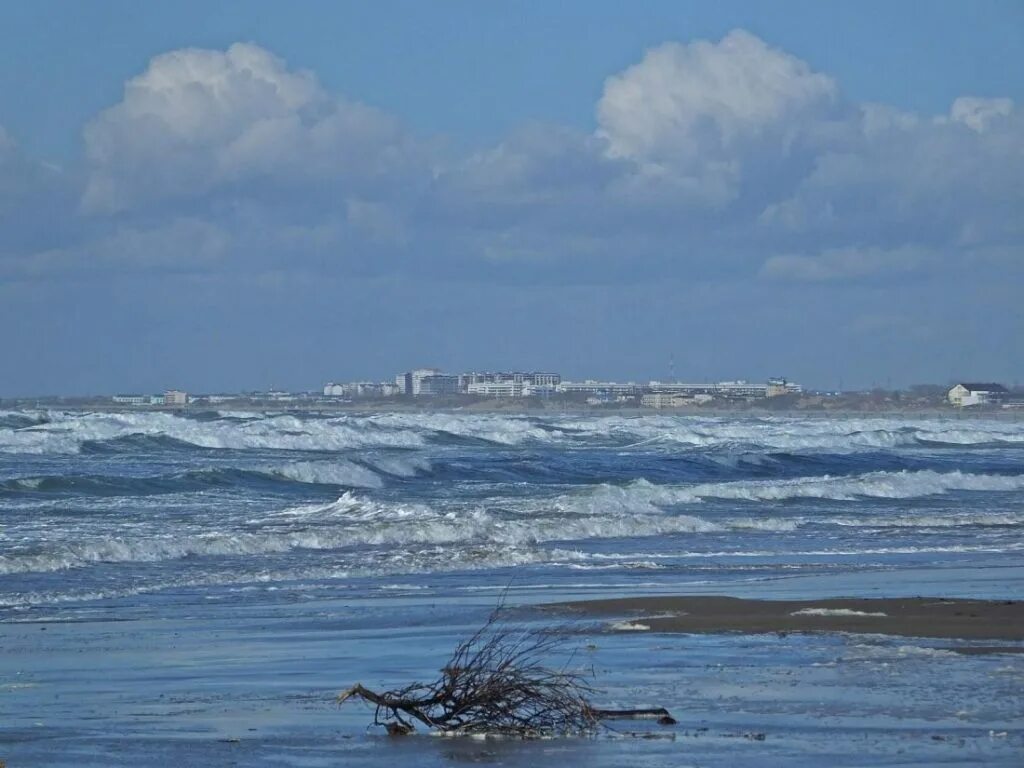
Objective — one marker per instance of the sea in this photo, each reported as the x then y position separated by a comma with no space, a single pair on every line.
194,588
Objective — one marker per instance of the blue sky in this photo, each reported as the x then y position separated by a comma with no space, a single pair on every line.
227,195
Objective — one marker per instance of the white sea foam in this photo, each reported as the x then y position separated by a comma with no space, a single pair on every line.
65,432
25,483
886,485
505,430
637,510
630,565
932,520
628,626
834,612
331,473
349,522
401,466
879,653
793,433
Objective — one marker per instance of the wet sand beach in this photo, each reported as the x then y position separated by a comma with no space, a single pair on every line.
908,617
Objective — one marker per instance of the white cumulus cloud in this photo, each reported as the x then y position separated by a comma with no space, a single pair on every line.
978,113
688,108
199,119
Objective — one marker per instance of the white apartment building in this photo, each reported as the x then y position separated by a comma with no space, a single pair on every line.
591,387
498,389
533,378
678,388
741,389
416,378
411,382
427,382
131,399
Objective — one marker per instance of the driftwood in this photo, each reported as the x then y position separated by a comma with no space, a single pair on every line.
495,683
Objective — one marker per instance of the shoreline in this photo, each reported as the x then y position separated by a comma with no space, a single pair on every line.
492,407
921,617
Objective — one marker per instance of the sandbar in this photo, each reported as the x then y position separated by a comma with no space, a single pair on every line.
925,617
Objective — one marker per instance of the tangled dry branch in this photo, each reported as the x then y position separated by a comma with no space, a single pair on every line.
496,682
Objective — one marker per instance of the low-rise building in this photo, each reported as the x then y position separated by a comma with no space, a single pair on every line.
591,387
509,388
728,390
779,387
363,389
532,378
741,390
673,400
498,389
131,399
175,397
968,393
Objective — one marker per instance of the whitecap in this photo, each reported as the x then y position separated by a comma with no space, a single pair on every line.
834,612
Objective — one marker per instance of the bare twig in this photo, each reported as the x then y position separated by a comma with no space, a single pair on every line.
495,682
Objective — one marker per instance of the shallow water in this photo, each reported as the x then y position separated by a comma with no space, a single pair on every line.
195,589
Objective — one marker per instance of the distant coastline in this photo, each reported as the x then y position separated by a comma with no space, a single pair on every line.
522,407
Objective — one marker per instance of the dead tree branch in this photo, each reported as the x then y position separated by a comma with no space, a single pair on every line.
495,682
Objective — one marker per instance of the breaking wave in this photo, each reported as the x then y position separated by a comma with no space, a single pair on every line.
794,433
637,510
69,433
344,473
340,472
57,432
881,485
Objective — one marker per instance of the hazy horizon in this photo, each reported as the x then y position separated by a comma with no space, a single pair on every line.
317,387
228,196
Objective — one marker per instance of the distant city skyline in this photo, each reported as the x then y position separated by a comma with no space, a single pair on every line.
227,195
473,382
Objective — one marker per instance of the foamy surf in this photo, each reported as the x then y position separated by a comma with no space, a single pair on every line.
66,431
836,612
135,502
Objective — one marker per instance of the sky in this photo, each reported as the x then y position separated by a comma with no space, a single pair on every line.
219,196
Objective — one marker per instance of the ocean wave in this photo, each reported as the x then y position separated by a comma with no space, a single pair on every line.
22,419
258,574
351,521
980,519
636,510
488,428
793,433
67,432
118,485
401,466
344,473
335,473
882,485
